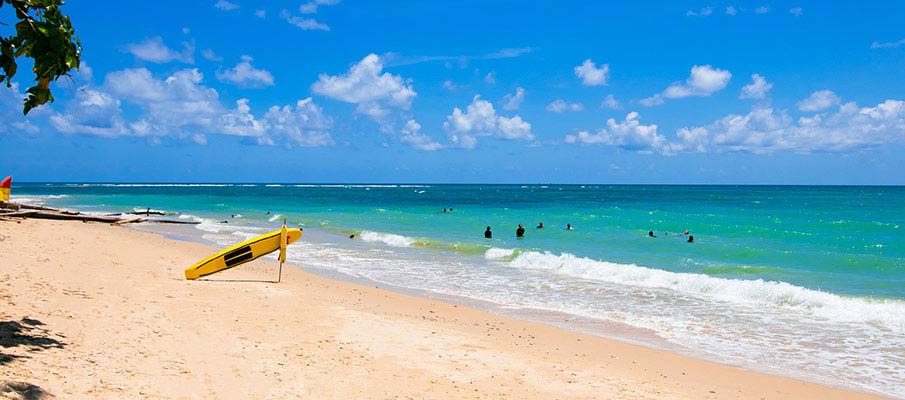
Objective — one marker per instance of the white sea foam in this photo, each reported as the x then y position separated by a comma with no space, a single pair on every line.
889,313
274,217
387,239
494,253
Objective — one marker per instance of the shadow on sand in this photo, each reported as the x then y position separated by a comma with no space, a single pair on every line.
28,333
23,390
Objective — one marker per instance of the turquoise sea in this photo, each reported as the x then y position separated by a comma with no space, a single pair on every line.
804,281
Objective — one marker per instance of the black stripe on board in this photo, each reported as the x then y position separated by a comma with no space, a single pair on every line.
239,260
235,253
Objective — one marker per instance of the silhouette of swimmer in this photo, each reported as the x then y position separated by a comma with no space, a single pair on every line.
352,236
520,232
691,239
488,234
686,232
540,225
651,234
569,227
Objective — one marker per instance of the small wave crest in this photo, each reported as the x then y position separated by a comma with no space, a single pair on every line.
889,313
275,217
389,239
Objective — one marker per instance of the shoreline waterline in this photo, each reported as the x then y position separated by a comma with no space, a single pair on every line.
542,278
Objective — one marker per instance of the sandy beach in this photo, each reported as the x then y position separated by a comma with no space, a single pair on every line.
95,311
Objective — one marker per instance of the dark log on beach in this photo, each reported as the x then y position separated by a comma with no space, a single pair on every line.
148,212
21,214
72,217
130,220
41,208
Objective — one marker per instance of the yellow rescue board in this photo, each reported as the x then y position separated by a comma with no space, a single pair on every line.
243,252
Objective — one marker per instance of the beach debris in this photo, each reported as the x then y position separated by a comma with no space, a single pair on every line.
17,210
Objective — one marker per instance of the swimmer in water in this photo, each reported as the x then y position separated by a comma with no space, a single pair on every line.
520,232
569,227
540,225
691,239
651,234
488,234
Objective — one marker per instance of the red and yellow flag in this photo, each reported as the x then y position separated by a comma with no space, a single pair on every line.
4,188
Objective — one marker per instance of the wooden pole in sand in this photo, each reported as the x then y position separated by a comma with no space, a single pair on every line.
284,239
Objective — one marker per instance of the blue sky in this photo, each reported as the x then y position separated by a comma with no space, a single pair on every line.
800,92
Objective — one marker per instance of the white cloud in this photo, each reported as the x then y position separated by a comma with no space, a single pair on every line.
560,105
704,12
92,112
261,14
796,11
703,81
610,102
246,75
11,101
490,78
411,133
590,75
171,106
480,119
311,6
628,134
762,10
513,101
240,121
449,85
394,59
226,5
305,24
887,45
366,85
730,10
210,55
765,130
818,101
153,50
757,89
306,124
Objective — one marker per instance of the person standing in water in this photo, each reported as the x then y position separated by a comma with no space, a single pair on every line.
488,234
568,227
651,234
540,225
520,232
691,239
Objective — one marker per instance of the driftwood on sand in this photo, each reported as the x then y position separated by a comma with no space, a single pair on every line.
14,211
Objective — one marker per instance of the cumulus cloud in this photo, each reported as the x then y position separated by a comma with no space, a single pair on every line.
367,86
703,81
818,101
226,5
246,75
209,55
261,14
490,78
757,89
11,100
92,112
730,10
887,45
411,133
796,11
766,130
154,50
610,102
305,124
449,85
305,24
480,119
590,75
704,12
560,105
513,101
627,134
311,6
